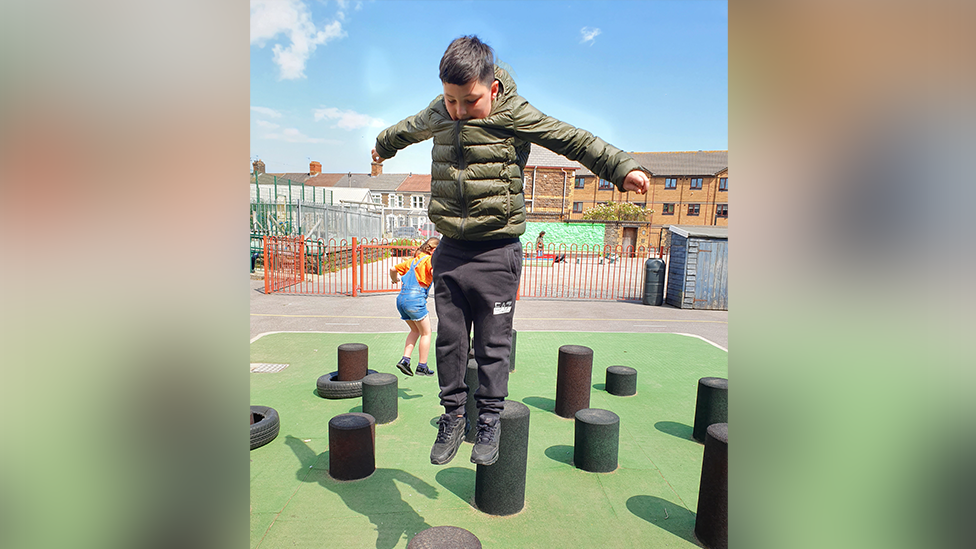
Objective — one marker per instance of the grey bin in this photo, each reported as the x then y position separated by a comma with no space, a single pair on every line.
654,281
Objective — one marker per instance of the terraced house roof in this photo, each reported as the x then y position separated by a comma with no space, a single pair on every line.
680,163
544,158
384,182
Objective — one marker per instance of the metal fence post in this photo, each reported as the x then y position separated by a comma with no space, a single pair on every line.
267,270
355,270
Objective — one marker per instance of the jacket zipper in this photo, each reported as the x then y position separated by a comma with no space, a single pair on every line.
460,182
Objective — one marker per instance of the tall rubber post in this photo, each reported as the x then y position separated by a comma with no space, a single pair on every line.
573,376
470,406
712,405
597,440
712,518
499,488
353,361
352,453
380,396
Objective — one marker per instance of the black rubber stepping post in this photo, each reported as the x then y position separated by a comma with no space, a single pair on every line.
470,405
712,518
712,405
597,440
444,537
499,488
621,380
380,396
352,444
353,361
511,357
573,376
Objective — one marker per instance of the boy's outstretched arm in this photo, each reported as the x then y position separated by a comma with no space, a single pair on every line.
408,131
603,159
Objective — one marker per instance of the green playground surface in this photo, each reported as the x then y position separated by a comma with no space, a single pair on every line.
649,501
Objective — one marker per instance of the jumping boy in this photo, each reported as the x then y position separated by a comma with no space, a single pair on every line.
482,130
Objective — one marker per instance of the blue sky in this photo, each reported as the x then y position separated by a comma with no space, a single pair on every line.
328,76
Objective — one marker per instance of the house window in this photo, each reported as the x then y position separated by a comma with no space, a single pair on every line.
668,209
693,209
696,183
579,182
396,200
721,210
723,184
670,183
605,185
417,201
577,207
377,198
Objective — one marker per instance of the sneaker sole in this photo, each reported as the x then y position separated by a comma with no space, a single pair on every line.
448,459
489,461
404,368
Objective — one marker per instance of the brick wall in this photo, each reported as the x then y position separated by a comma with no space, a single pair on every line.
546,191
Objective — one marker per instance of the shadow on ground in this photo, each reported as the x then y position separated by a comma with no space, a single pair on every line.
541,403
375,497
665,515
676,429
459,481
561,453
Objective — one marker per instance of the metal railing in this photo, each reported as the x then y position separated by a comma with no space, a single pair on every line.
584,272
363,267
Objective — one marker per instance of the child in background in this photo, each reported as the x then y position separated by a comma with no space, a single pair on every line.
417,275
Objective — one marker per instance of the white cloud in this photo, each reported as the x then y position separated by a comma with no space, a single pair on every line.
589,35
269,18
265,124
270,113
293,135
348,120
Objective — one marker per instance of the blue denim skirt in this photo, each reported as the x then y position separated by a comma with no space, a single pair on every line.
412,305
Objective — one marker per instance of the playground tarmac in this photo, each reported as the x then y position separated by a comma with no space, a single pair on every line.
650,500
377,313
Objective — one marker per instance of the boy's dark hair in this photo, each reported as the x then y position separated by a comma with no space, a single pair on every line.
467,59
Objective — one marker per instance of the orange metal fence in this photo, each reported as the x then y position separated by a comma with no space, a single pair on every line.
354,267
584,272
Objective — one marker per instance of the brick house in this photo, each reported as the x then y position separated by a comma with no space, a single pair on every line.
687,188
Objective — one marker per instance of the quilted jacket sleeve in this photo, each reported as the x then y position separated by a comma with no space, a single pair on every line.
603,159
408,131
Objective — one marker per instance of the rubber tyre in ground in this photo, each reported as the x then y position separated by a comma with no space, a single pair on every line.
329,386
265,427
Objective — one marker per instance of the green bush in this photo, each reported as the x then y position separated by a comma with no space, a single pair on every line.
617,211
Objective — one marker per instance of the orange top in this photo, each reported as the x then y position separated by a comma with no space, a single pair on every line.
423,270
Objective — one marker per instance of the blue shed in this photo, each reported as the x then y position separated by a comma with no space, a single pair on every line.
698,273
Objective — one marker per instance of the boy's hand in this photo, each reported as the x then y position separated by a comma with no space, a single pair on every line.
376,157
636,181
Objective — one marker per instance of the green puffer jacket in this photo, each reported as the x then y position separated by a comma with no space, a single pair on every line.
477,168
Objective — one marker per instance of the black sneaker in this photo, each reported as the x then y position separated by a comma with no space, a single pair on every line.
424,370
485,451
404,366
450,432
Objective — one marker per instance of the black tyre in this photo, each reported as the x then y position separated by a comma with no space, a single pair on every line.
265,426
329,386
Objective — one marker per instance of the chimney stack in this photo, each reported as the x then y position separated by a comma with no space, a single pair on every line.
314,168
258,167
376,169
